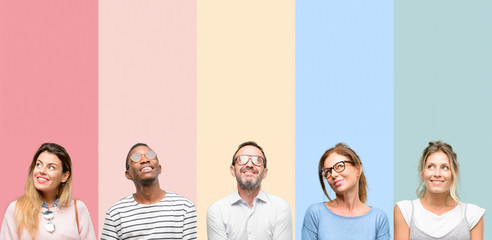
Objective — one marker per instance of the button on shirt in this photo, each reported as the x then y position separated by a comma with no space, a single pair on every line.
232,218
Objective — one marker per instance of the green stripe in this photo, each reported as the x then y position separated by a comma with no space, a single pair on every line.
443,91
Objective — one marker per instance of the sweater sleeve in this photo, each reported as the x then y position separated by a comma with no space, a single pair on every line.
383,232
86,228
9,226
310,224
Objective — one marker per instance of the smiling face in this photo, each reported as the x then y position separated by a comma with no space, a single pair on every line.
346,180
144,171
437,174
48,173
249,176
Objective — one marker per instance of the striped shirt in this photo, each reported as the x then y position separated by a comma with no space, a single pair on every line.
174,217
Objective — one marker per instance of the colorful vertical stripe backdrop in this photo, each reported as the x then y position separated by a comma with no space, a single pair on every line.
193,79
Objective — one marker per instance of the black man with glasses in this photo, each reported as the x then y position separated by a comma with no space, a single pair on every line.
249,212
151,212
347,216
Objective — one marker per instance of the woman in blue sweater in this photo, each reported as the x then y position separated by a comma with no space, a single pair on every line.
347,216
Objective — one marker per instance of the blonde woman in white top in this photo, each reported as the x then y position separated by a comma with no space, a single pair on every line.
438,212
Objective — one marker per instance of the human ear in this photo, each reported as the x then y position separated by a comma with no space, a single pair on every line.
233,171
65,176
265,173
128,175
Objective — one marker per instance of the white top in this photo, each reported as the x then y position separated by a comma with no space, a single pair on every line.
232,218
174,217
438,226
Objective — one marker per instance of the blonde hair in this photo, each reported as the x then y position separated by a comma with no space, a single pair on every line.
28,206
344,150
434,147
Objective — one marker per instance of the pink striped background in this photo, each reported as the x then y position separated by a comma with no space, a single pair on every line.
49,91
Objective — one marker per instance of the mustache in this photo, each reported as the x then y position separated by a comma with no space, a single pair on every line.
249,169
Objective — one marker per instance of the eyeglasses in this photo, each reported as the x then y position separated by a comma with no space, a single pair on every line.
244,159
50,226
338,167
136,157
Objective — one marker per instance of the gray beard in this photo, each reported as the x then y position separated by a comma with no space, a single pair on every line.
249,185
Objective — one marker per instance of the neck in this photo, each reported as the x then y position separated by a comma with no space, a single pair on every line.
348,205
438,200
349,201
248,195
49,198
148,194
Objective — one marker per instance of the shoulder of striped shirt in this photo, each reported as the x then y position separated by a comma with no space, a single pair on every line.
170,196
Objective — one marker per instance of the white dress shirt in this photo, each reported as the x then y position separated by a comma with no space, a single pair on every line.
232,218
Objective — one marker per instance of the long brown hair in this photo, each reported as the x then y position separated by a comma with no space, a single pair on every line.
344,150
28,206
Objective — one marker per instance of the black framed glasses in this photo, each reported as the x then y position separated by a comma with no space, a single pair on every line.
136,157
337,167
255,159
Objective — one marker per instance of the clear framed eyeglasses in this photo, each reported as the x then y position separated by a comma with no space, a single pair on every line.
136,157
244,159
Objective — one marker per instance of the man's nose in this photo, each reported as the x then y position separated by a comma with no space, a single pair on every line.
249,163
144,159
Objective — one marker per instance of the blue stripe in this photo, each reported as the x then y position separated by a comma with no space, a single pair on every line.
344,93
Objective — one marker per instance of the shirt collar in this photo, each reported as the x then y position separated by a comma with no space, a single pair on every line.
260,197
54,204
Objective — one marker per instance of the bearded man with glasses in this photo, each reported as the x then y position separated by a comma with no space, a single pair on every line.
249,212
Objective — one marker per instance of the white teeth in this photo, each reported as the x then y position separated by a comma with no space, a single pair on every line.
42,179
437,181
146,168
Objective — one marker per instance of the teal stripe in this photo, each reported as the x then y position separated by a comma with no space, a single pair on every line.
443,86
